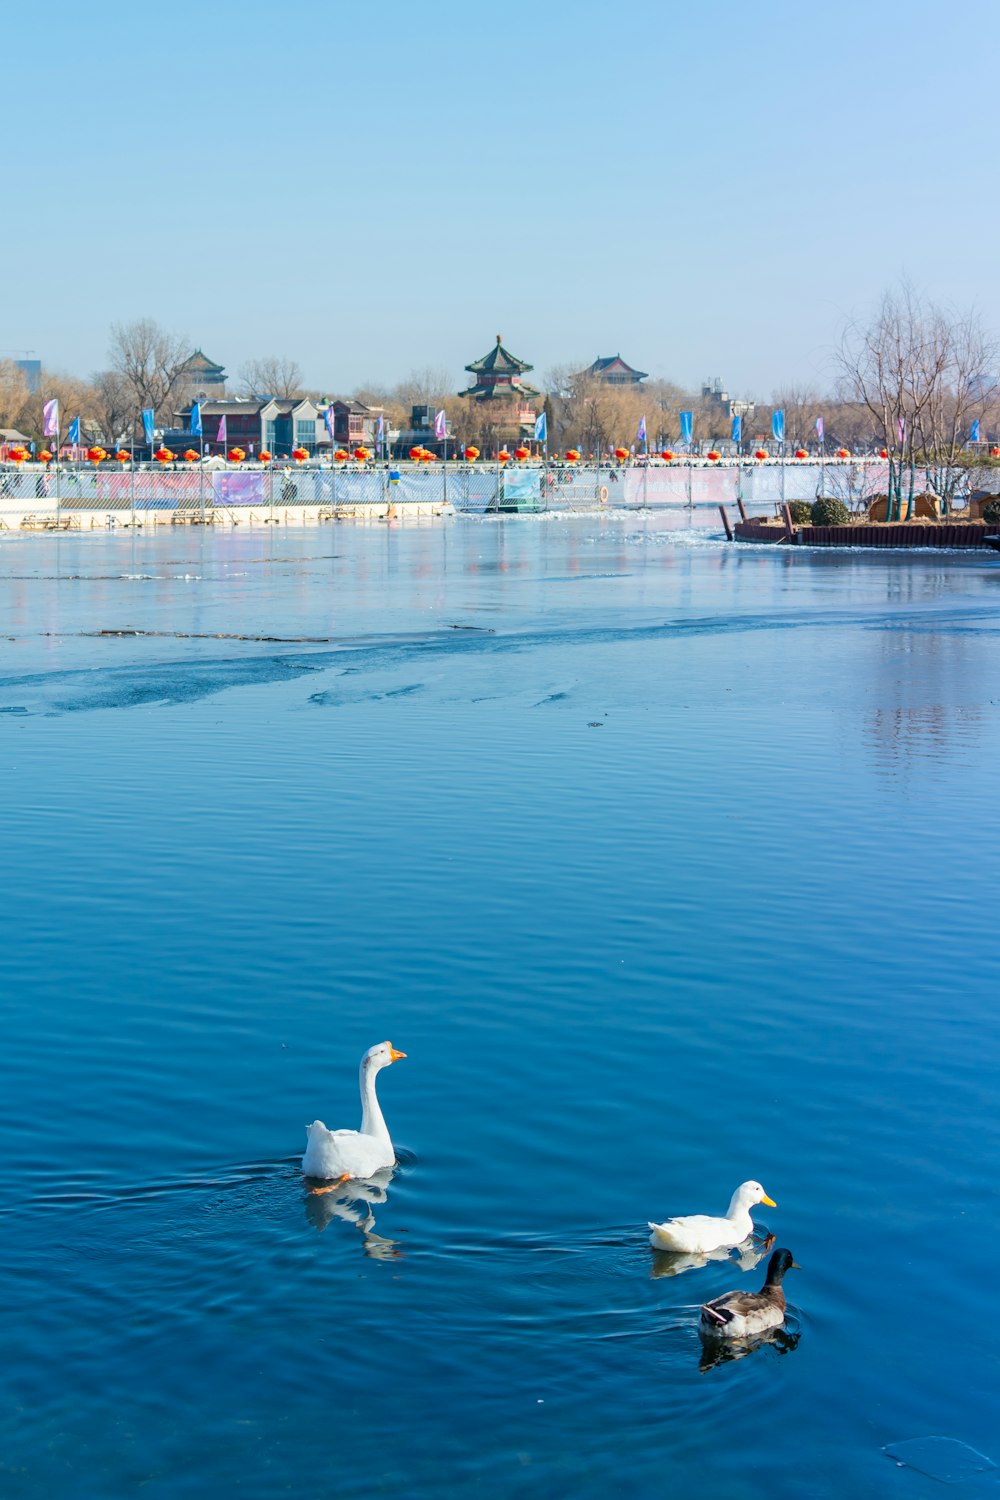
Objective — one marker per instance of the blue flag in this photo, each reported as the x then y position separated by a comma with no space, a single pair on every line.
819,428
73,436
778,425
147,424
541,428
328,421
737,429
974,432
195,420
380,431
640,436
687,426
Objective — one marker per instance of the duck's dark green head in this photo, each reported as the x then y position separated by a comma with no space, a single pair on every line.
780,1262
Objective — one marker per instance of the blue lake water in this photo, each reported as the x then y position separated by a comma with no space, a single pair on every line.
668,863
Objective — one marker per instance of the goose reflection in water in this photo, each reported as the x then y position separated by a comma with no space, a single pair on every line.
716,1351
351,1199
746,1256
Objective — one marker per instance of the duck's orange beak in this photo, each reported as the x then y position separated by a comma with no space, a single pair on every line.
769,1201
395,1055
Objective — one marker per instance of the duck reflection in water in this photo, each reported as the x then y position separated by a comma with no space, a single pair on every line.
351,1199
715,1351
746,1256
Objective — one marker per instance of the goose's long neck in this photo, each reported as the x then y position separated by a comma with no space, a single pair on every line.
372,1121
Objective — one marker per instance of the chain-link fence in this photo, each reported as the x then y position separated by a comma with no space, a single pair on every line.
64,496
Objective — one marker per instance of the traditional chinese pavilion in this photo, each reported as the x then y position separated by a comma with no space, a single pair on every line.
507,401
201,379
613,369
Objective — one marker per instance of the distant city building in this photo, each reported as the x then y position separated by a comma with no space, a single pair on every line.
11,438
355,425
614,371
200,379
507,402
712,392
32,372
275,424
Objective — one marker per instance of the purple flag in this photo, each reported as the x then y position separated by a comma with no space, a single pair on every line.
220,436
819,428
50,419
901,429
440,429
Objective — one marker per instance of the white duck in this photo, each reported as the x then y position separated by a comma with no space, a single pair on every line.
355,1153
700,1234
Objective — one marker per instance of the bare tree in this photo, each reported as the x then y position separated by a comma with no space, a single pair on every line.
274,375
13,393
150,360
113,404
595,414
918,371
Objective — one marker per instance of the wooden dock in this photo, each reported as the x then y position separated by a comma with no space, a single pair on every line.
866,534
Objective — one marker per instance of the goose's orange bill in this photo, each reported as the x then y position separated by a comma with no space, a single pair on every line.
395,1055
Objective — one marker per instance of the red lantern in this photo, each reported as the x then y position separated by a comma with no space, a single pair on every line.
361,454
801,453
504,456
191,455
883,453
236,455
427,457
123,456
17,455
341,456
667,455
95,455
621,454
843,453
521,454
471,454
713,457
761,453
300,455
572,455
416,454
45,456
264,456
163,456
995,453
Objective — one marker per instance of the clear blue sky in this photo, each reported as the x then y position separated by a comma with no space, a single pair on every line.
710,189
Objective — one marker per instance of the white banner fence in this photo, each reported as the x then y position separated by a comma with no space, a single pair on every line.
35,491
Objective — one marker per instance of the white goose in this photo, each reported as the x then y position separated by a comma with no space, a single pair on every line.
700,1234
355,1153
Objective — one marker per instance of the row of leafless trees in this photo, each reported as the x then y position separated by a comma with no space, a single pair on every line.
911,379
145,369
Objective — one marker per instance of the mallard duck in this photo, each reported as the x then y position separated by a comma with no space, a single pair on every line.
355,1153
700,1234
739,1314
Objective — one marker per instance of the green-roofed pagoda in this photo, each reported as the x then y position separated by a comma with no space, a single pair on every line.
507,404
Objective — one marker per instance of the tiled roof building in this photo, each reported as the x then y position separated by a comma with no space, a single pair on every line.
615,371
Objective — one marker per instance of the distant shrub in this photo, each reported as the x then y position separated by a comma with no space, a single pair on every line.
991,511
829,512
801,512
